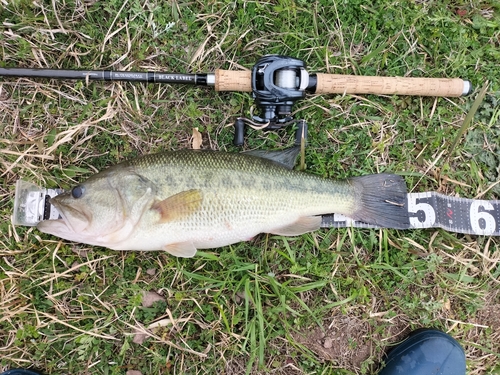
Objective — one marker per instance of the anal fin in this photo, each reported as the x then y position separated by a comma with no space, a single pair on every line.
302,225
181,249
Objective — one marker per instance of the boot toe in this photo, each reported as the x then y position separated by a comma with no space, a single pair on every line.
426,352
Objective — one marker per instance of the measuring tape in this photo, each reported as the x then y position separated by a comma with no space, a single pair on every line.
425,210
433,210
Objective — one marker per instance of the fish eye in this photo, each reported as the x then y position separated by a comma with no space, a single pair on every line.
77,191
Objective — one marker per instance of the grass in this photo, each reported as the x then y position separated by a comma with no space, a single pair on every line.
328,302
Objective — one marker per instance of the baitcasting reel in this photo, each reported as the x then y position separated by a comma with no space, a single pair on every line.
277,83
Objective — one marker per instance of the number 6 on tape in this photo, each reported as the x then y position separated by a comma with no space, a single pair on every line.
476,216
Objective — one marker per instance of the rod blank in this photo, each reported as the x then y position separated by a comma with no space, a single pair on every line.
109,75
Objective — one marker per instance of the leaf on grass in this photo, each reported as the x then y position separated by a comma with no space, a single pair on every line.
151,271
166,322
468,118
197,140
139,336
81,252
149,298
447,305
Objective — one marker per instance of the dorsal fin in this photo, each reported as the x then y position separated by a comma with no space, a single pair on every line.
286,158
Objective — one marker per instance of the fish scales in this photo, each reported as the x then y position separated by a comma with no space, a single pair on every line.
242,196
186,200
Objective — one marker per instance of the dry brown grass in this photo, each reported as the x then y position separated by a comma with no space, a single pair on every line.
69,308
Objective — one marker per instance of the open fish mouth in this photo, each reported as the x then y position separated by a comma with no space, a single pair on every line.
63,220
57,227
71,221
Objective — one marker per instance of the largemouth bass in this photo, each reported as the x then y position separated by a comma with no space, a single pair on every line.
186,200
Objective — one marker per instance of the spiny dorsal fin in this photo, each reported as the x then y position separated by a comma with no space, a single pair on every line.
286,158
178,205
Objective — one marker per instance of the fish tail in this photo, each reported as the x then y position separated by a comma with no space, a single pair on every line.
382,200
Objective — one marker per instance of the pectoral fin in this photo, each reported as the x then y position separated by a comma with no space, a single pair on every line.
181,249
178,205
302,225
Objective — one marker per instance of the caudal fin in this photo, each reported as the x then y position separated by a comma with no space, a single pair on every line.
382,200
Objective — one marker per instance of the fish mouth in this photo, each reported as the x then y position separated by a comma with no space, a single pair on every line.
63,220
75,220
57,227
70,226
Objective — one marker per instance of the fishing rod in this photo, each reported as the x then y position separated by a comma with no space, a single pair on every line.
276,83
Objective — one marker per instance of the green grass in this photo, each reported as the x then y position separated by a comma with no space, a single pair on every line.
328,302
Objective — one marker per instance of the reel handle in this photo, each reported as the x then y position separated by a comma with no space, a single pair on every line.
350,84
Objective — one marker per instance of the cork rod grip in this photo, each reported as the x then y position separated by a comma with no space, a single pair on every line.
349,84
233,80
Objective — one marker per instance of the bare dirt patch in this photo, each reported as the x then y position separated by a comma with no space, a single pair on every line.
349,341
489,315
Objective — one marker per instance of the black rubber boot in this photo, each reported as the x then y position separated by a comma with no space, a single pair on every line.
19,371
426,352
